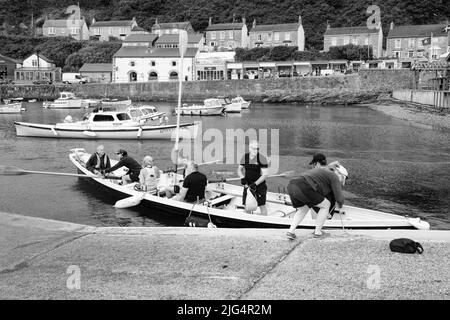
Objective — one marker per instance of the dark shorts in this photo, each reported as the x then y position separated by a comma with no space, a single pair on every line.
301,193
260,194
134,176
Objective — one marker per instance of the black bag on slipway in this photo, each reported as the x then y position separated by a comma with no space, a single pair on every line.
405,245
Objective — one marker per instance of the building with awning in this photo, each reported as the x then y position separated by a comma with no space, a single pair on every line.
212,65
37,67
234,70
434,75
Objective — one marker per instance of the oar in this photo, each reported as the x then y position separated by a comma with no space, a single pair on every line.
284,174
16,171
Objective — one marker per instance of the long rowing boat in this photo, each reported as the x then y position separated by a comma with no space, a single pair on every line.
224,205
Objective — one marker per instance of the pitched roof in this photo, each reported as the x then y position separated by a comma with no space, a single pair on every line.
225,26
276,27
145,52
114,23
40,55
418,31
174,38
8,59
172,25
63,23
147,37
349,30
96,67
137,28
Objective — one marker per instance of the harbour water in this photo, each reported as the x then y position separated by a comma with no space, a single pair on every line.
393,166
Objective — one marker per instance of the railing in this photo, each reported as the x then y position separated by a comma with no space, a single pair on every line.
438,99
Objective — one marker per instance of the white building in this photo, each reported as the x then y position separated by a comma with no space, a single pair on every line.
213,65
142,64
37,67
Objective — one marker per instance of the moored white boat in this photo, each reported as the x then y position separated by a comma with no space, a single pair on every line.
116,102
224,207
104,125
244,104
230,107
145,112
210,107
10,108
66,100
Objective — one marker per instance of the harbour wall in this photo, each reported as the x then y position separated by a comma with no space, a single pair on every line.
438,99
364,86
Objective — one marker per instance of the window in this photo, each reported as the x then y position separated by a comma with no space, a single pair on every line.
132,63
346,40
398,54
34,63
419,43
411,43
123,116
153,63
259,37
153,76
213,35
212,44
222,35
411,54
269,36
73,30
366,41
276,36
398,43
97,31
110,30
334,41
173,75
63,31
174,63
287,36
354,40
102,118
51,30
230,34
122,30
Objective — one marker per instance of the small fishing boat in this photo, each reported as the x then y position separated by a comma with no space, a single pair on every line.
104,125
244,104
115,102
11,107
32,100
145,112
66,100
210,107
230,107
224,205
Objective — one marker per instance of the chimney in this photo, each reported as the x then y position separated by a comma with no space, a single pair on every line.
243,20
299,19
254,23
210,21
93,20
391,26
156,21
328,25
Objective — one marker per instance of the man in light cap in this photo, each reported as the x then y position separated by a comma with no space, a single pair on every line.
134,168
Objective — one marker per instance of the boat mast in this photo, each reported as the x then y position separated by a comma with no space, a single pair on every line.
183,39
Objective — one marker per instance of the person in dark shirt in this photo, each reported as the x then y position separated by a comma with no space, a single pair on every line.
309,190
194,185
134,168
98,161
253,171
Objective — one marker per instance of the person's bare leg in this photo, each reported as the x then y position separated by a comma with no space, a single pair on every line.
298,217
322,215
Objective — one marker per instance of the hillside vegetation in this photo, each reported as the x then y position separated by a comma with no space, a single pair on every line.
15,16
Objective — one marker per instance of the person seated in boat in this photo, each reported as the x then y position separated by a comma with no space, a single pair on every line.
253,170
194,185
134,168
309,190
98,161
149,175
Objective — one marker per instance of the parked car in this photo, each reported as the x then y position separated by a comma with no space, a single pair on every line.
43,81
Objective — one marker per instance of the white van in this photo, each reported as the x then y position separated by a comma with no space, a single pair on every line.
69,77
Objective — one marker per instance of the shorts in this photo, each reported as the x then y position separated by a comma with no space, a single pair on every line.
260,194
301,194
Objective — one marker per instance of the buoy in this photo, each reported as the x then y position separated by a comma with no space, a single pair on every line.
89,133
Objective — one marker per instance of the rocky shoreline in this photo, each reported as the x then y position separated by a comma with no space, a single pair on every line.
416,114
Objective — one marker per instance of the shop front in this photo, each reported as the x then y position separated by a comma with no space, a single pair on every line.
234,71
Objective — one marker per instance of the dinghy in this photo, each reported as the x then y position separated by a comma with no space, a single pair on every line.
224,205
210,107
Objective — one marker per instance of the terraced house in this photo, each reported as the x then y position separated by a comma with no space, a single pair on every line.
109,30
415,43
271,35
195,40
75,28
171,27
227,36
354,35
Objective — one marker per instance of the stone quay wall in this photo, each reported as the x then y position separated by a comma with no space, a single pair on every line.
364,86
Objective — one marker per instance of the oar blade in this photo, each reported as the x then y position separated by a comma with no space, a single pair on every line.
11,170
128,202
